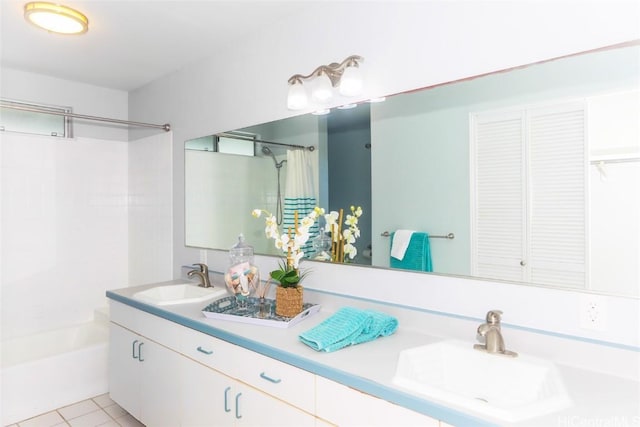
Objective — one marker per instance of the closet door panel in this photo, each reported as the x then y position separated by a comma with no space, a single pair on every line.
557,159
498,181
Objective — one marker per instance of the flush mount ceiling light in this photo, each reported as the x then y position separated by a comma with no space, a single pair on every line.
56,18
323,80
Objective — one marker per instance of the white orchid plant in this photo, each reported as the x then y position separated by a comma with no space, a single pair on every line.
290,242
343,239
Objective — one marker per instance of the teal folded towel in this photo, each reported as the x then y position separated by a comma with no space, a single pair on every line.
349,326
417,256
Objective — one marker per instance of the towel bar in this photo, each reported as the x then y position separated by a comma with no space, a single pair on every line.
448,236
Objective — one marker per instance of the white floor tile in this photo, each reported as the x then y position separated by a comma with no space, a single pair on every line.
92,419
103,400
49,419
100,411
115,411
129,421
78,409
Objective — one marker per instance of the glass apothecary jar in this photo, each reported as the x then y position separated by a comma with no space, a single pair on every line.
242,277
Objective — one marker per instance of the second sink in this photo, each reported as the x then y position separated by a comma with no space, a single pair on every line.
511,389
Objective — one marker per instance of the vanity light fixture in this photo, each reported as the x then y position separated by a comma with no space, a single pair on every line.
56,18
323,80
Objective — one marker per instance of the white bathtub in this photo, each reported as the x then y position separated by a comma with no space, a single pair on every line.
48,370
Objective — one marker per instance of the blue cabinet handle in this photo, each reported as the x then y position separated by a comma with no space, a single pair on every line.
140,359
202,350
268,378
226,400
133,349
238,416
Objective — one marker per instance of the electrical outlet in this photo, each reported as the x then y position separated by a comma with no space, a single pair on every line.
593,312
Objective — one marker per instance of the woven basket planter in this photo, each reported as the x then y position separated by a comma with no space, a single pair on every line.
289,301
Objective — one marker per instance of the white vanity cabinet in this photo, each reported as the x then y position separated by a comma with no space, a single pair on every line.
210,398
362,409
242,387
142,379
182,377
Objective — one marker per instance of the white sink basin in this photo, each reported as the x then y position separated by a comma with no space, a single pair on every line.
511,389
178,294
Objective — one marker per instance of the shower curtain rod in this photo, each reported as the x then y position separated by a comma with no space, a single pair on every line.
246,138
166,127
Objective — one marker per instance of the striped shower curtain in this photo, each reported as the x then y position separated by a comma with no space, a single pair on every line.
300,191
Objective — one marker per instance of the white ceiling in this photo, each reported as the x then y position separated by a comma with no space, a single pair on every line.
130,43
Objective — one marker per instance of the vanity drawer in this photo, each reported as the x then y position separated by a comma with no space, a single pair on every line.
293,385
208,350
271,376
152,327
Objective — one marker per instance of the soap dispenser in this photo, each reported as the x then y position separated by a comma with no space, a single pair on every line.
242,276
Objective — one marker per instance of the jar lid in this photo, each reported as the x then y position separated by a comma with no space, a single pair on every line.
323,241
241,249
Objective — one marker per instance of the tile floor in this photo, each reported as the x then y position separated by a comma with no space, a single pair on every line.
98,411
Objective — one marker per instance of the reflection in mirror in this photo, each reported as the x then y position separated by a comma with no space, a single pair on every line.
533,170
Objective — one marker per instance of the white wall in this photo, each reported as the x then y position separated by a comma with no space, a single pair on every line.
64,229
64,208
80,215
405,45
85,99
150,205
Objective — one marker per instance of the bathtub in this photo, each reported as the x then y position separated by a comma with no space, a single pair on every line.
45,371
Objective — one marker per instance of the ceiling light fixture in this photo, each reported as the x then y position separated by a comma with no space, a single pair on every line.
345,76
56,18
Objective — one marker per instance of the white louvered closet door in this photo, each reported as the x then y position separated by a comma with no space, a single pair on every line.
529,195
558,197
498,231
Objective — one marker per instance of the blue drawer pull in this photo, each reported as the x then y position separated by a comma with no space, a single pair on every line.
202,350
238,416
133,349
268,378
226,399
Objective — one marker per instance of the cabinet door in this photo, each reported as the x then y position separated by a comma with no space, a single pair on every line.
345,406
124,369
252,407
142,378
203,396
159,398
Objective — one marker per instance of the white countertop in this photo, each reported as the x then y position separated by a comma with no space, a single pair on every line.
598,398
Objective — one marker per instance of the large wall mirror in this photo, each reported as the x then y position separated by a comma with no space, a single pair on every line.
535,172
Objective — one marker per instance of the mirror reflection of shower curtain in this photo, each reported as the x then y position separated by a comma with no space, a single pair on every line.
300,191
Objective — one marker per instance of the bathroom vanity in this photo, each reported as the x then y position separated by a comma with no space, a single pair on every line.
170,365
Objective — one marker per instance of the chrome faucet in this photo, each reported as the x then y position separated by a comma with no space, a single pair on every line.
492,334
203,273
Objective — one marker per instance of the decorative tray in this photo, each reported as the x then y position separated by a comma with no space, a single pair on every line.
228,309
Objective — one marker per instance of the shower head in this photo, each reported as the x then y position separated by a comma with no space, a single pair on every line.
267,152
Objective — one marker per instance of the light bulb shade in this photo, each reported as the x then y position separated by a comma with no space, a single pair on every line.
297,97
56,18
351,81
323,90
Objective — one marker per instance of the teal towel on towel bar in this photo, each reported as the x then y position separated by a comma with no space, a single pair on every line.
349,326
417,256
